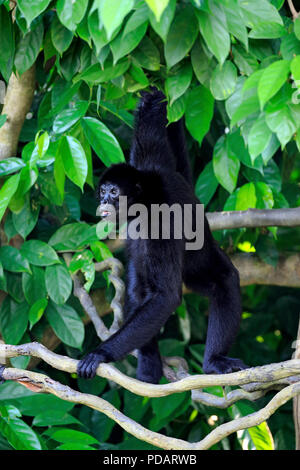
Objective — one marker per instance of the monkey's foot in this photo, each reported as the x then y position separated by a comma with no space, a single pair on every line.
151,377
223,365
87,367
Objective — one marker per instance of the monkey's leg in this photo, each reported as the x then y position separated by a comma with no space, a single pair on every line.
149,367
223,324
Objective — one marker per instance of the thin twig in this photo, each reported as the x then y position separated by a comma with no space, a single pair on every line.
294,12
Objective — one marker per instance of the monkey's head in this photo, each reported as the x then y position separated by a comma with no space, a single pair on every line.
118,180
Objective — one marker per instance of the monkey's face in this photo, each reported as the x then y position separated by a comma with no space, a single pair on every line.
109,199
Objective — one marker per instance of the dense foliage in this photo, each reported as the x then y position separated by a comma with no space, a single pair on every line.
232,69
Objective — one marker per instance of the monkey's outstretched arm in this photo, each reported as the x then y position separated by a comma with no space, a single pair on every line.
150,148
138,330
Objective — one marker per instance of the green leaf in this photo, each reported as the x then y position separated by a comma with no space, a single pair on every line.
103,141
96,74
162,26
7,41
206,184
61,36
42,143
83,261
54,418
223,80
113,12
166,410
32,403
147,54
289,47
282,123
10,165
123,45
69,117
58,283
199,112
213,27
267,30
297,27
249,105
36,311
258,11
235,22
157,7
178,83
246,197
71,13
34,285
138,17
257,437
66,324
39,253
25,220
246,62
73,236
138,75
226,165
181,36
7,191
13,320
19,434
259,137
70,435
14,287
177,110
13,260
32,8
264,195
74,446
295,67
272,79
74,160
28,49
203,65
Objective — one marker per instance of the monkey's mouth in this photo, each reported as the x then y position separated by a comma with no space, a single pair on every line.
103,211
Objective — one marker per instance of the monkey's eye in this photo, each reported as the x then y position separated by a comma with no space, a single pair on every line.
102,191
114,192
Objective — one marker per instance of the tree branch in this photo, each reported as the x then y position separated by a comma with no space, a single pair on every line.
253,270
254,218
17,103
293,10
296,401
42,383
267,373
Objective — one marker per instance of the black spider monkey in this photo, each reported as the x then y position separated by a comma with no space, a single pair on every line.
159,172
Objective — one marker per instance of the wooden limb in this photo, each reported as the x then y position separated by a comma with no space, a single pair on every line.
293,10
263,374
252,218
41,383
17,103
296,401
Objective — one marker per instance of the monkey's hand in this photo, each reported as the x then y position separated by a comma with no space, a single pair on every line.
87,367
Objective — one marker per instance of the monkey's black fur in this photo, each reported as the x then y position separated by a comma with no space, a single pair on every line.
159,172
